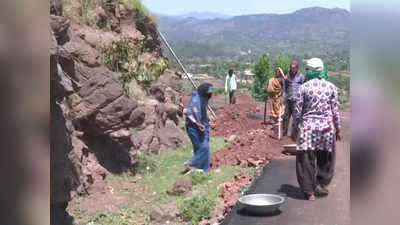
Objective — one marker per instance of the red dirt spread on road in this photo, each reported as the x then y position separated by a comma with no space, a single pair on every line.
254,143
231,190
230,193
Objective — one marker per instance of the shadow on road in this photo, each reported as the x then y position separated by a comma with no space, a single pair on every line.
245,212
292,192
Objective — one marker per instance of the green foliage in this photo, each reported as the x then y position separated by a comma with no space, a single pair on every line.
85,7
140,10
282,61
264,69
342,82
197,208
245,88
120,53
82,10
219,91
243,188
122,56
170,166
262,72
113,218
146,163
199,177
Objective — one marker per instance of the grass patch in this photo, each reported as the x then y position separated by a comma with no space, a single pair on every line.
123,56
170,166
216,144
123,217
197,209
200,178
158,174
146,164
140,10
245,88
120,53
219,91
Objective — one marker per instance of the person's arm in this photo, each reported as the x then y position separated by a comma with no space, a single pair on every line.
284,90
298,112
226,84
335,111
189,112
192,109
237,84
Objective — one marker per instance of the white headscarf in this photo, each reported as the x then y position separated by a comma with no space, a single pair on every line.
314,64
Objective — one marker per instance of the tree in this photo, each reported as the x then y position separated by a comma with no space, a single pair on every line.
282,61
262,72
265,69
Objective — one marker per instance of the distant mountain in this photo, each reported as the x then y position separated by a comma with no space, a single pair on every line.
199,15
307,31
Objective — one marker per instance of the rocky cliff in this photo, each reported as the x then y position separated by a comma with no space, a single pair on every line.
112,95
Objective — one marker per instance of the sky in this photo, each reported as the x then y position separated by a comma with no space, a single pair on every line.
238,7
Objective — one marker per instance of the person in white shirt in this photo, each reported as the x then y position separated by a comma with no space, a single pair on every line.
231,86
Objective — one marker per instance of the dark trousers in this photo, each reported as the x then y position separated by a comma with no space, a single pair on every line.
232,97
290,107
314,168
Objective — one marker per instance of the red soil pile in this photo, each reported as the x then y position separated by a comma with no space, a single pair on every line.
254,144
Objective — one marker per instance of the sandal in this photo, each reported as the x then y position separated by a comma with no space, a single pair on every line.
321,191
310,197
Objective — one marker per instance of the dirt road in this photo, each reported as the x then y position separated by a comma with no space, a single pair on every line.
279,177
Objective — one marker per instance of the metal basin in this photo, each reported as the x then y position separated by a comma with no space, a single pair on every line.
290,149
261,203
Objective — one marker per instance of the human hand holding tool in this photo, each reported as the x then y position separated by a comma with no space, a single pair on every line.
201,127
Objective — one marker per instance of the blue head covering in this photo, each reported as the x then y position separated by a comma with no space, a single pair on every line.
205,91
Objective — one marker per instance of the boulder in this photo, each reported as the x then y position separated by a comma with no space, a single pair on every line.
158,93
167,112
56,7
59,25
137,117
114,114
142,138
233,138
164,213
84,53
170,136
181,186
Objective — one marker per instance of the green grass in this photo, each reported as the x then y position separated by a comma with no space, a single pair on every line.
197,209
122,56
146,164
199,178
219,91
170,166
245,88
123,217
158,174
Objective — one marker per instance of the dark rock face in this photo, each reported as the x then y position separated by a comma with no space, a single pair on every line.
96,126
59,25
63,174
56,7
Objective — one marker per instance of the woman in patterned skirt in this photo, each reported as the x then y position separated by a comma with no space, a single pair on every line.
317,113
